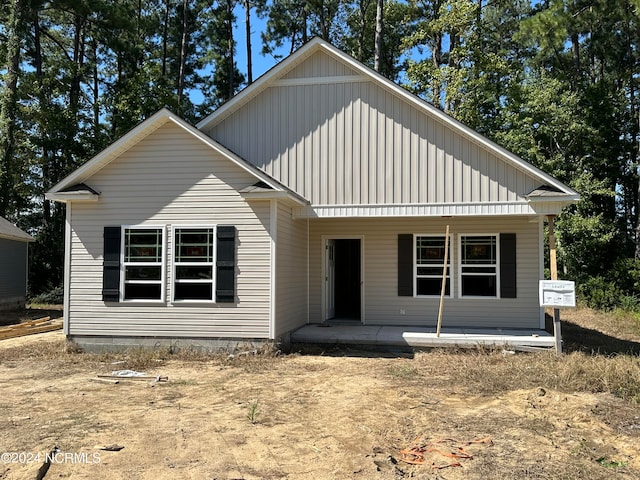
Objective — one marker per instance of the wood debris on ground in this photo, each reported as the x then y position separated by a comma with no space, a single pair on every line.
39,325
110,448
154,378
444,447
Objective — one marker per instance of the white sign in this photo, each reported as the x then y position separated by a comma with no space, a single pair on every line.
557,293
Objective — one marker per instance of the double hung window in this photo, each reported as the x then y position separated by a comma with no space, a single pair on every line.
479,265
429,265
143,263
194,263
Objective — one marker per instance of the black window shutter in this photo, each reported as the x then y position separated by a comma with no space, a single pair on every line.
508,287
111,265
405,265
225,264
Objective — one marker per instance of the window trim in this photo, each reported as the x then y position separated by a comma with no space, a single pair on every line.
450,259
163,265
461,265
175,264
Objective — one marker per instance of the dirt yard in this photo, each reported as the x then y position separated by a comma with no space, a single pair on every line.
339,414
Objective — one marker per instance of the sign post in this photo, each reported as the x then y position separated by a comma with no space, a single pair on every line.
557,294
554,276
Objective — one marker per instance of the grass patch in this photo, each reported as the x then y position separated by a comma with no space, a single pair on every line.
608,463
405,371
249,358
490,372
253,411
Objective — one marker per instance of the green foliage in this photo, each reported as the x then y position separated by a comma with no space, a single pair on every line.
598,293
55,296
619,289
253,412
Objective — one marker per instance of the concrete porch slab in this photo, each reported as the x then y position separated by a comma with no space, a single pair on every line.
409,336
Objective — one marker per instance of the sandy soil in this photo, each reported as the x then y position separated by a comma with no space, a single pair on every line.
342,416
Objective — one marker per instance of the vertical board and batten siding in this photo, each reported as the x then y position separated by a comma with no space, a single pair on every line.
13,269
356,143
291,272
319,64
382,303
171,178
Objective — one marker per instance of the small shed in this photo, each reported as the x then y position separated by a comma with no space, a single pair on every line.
14,257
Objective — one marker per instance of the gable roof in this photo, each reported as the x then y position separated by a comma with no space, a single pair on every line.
9,231
278,72
73,186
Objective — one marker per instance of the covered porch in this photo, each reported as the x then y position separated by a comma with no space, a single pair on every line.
423,337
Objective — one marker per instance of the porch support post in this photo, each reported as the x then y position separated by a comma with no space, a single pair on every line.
557,332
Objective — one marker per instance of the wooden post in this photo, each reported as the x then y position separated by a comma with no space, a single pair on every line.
557,332
552,248
444,280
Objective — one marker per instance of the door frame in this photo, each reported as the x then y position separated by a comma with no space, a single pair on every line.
323,277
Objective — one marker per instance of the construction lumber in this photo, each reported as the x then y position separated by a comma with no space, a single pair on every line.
157,378
104,380
30,328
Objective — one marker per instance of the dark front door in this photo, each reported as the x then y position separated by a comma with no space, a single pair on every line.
348,281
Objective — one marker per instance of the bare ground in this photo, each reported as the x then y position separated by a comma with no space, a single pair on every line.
341,414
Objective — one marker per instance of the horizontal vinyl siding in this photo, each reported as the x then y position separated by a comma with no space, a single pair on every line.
383,305
291,272
13,269
170,178
358,143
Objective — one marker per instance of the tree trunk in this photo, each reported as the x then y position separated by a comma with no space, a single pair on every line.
247,12
43,101
377,56
8,106
362,12
436,55
575,50
78,64
183,52
231,69
165,33
305,14
96,92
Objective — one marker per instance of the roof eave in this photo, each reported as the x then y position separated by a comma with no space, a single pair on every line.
17,239
64,197
568,199
274,195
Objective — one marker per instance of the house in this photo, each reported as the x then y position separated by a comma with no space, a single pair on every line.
320,193
14,259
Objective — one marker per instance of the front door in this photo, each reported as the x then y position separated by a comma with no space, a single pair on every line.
343,279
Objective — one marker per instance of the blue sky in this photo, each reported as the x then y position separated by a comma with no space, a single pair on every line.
261,63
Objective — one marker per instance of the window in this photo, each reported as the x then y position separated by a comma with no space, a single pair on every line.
204,264
479,265
193,263
143,263
429,265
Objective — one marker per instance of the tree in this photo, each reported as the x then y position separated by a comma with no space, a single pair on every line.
8,111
